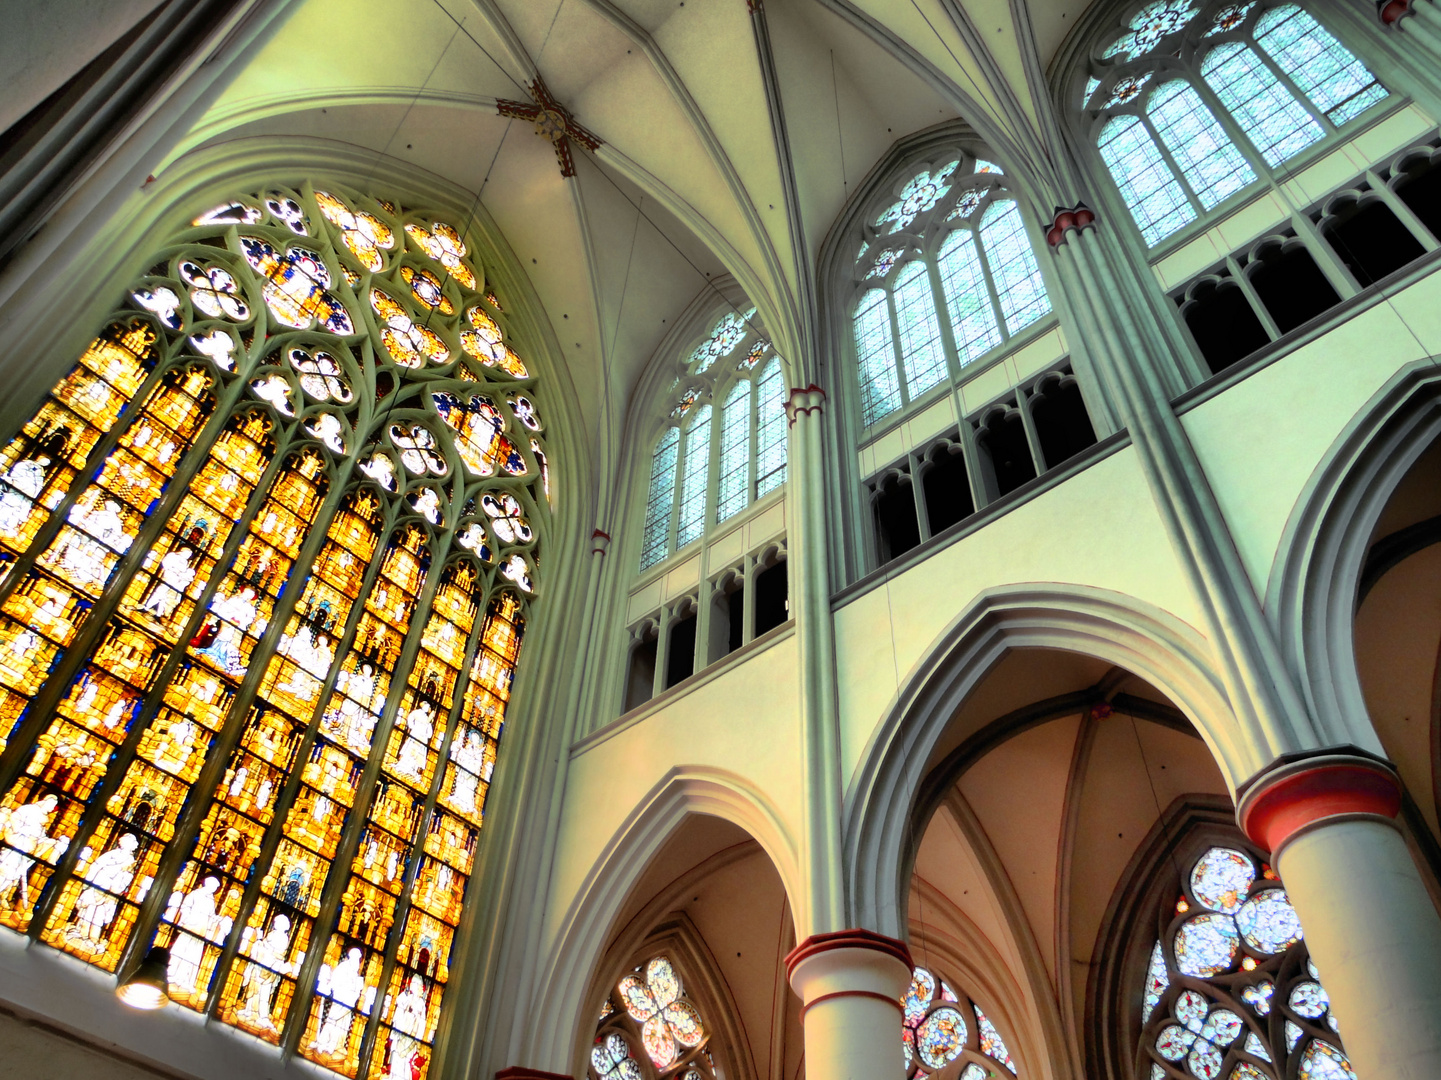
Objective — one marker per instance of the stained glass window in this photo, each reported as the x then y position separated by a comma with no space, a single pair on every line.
731,382
695,469
649,1028
1230,990
734,451
984,280
938,1026
256,567
1283,78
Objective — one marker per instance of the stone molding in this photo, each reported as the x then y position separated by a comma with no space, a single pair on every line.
1316,788
808,399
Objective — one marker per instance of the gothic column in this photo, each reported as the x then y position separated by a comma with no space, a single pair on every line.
850,984
810,599
1425,26
1329,819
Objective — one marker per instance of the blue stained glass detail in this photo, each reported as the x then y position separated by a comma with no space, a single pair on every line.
770,429
658,503
963,282
1019,288
876,356
921,350
1152,23
1272,118
1209,160
1091,85
1336,82
1228,18
693,479
1147,184
734,451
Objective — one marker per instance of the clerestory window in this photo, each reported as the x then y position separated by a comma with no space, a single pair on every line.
266,558
944,275
724,444
649,1028
939,1026
1195,101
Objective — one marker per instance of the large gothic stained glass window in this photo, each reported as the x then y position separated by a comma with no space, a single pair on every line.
944,275
938,1026
649,1029
724,444
1230,992
1195,100
265,566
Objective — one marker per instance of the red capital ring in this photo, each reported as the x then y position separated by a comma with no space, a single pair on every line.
847,939
1285,800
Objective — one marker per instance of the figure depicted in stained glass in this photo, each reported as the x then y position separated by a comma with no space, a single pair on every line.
344,985
418,727
469,758
176,574
26,840
198,920
99,531
109,876
357,722
219,639
262,978
22,484
407,1029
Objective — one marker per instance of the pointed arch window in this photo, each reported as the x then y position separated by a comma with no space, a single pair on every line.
1230,992
945,274
724,444
1194,102
939,1026
649,1029
265,570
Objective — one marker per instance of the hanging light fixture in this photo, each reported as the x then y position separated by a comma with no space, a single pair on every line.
148,986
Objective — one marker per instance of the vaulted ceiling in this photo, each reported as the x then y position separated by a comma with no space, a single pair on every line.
698,174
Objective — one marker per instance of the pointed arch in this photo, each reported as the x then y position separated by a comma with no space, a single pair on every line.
564,987
883,802
1314,583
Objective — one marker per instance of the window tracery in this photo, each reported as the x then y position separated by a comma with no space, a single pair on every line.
1195,101
938,1026
945,274
1230,990
724,445
649,1028
265,559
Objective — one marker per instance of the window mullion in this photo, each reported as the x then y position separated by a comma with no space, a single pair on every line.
943,314
1286,81
187,829
1171,163
1239,138
989,278
340,864
902,383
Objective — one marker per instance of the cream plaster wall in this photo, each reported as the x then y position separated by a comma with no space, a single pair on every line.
743,723
1262,439
1099,528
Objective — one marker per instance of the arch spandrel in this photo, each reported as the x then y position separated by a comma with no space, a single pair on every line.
881,806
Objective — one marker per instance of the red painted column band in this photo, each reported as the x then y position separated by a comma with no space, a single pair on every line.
847,939
1287,799
520,1072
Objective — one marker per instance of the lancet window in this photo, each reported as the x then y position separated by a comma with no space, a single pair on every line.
724,444
945,274
1193,101
649,1029
1230,992
940,1026
266,562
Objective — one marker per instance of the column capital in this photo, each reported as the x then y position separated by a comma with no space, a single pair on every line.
1067,219
849,963
1300,791
599,542
1393,11
804,400
522,1072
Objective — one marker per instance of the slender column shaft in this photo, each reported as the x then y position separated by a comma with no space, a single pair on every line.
809,577
1370,926
850,985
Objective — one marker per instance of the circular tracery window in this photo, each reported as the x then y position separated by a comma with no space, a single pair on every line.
939,1026
1230,991
649,1028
